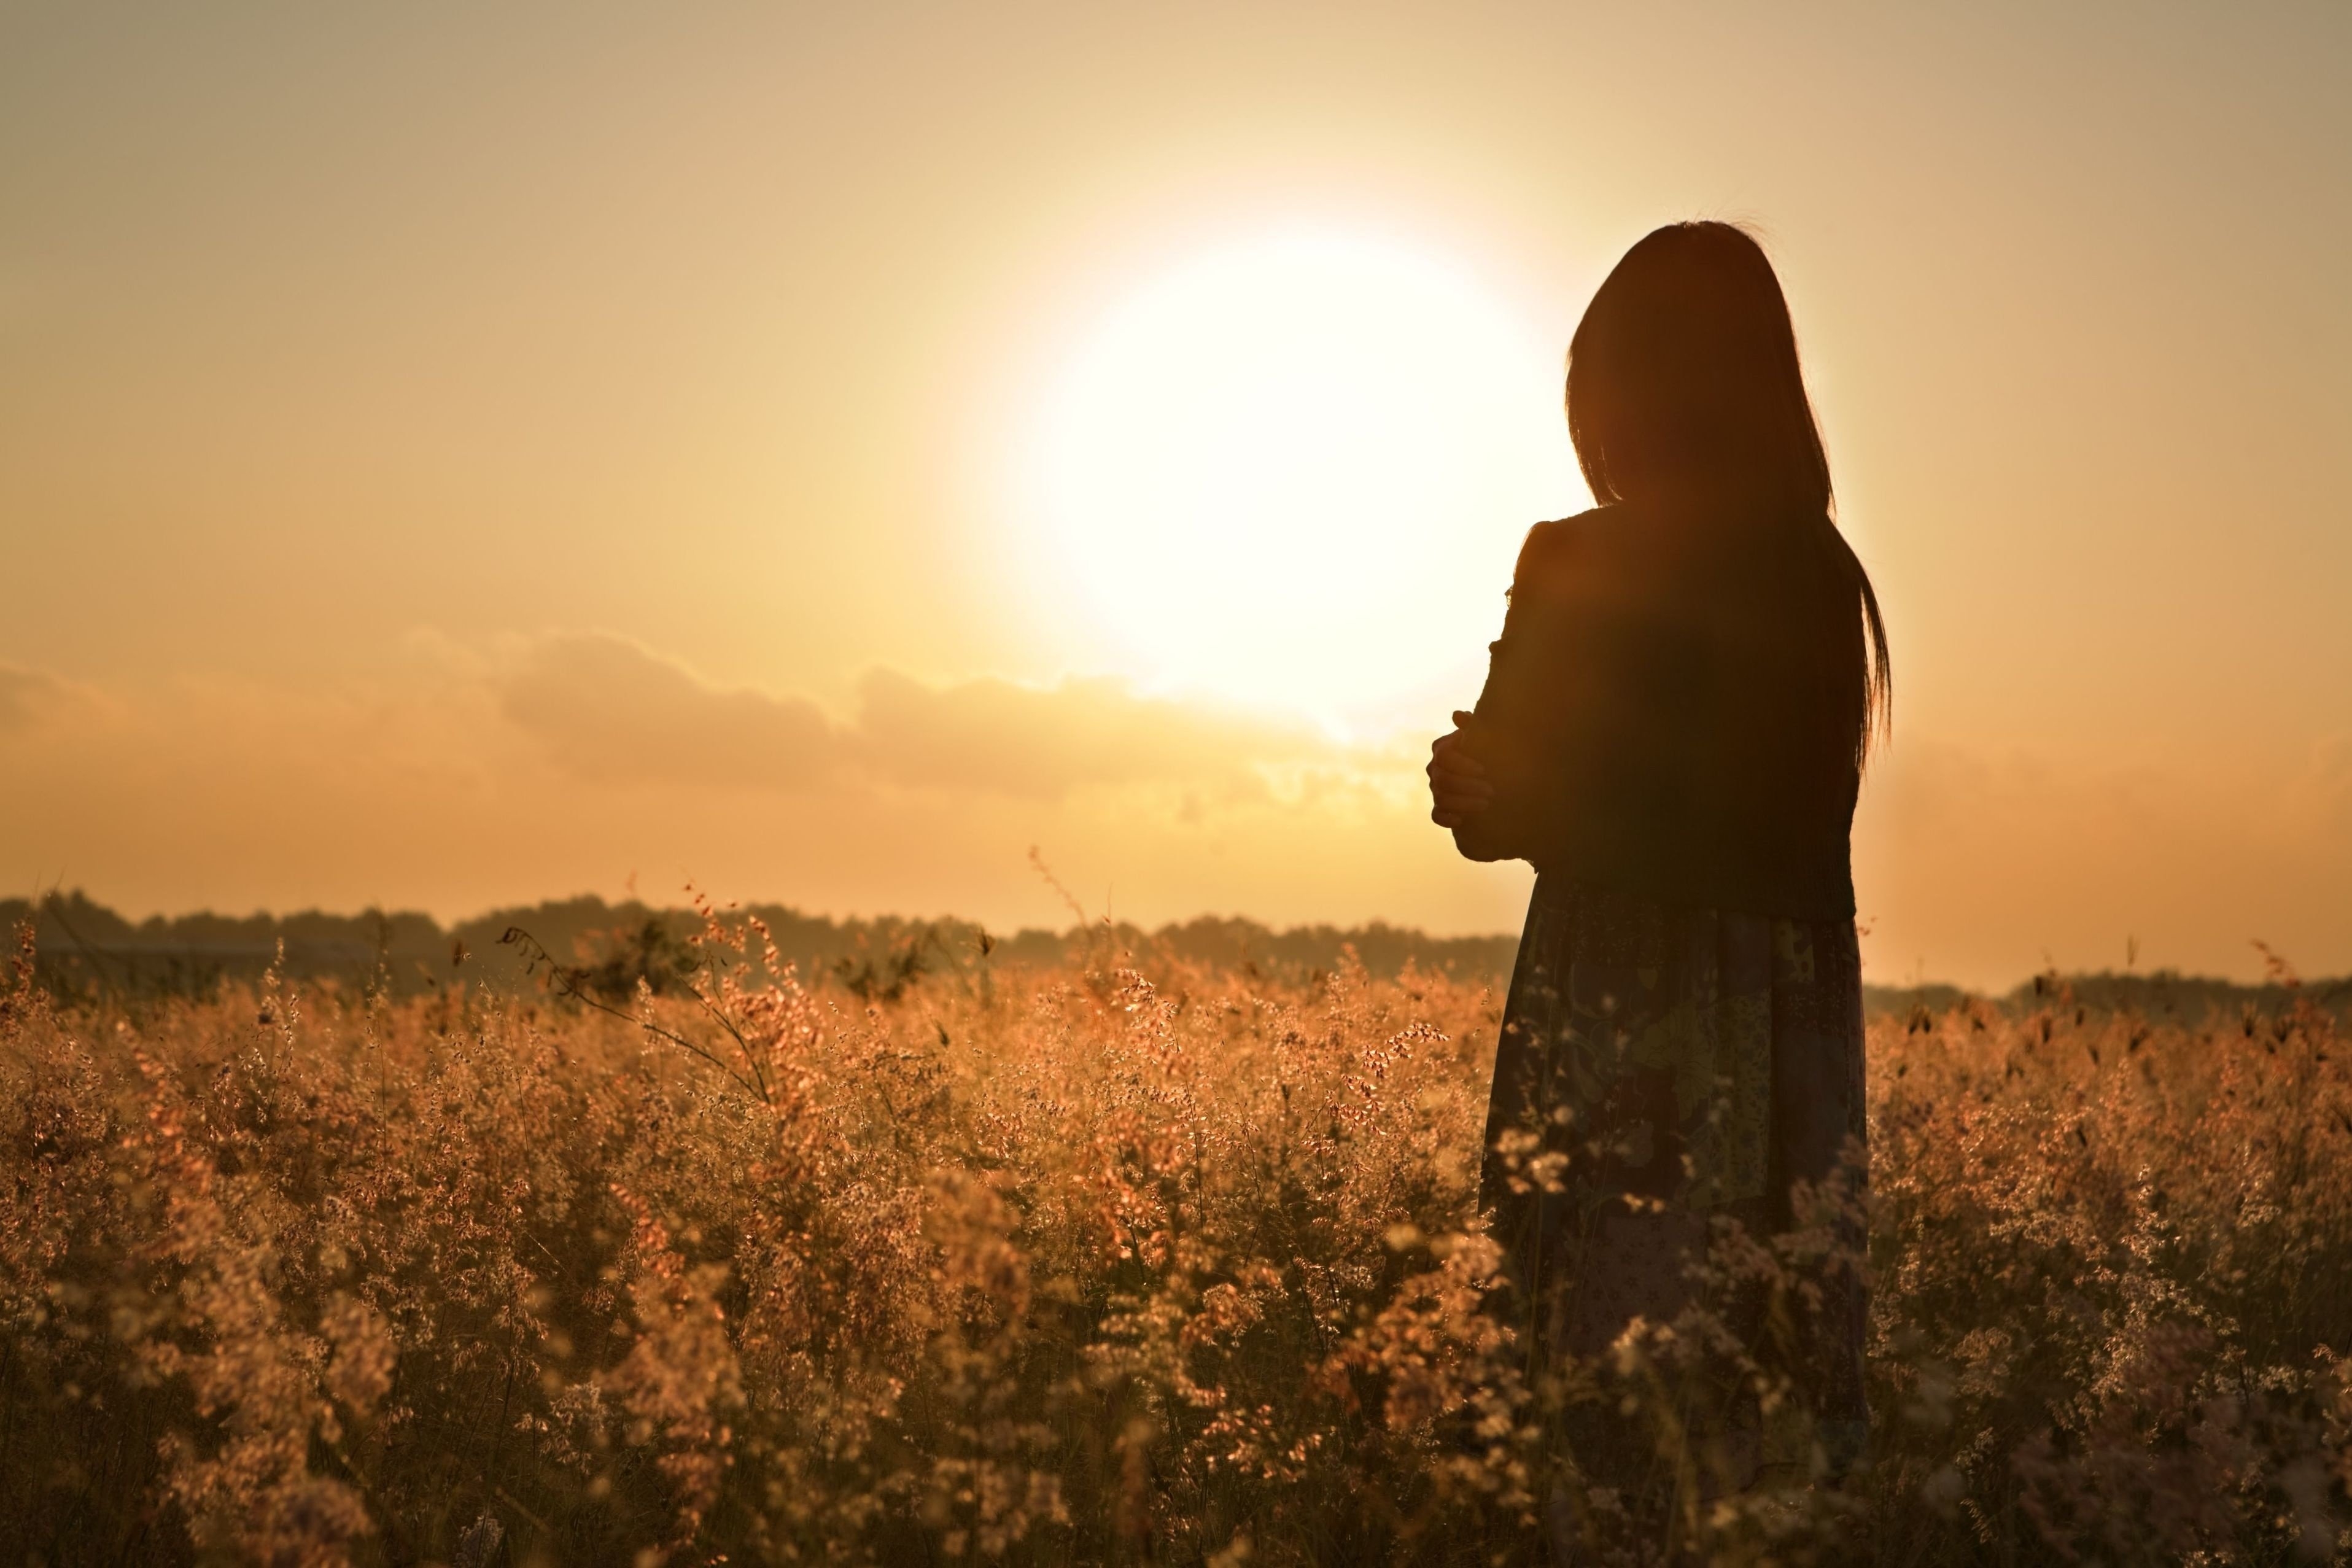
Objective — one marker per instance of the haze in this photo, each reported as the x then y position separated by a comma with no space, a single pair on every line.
453,456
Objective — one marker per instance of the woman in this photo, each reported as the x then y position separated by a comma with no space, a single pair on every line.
1673,730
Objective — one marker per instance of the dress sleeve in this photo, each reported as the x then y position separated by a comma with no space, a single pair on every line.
1544,676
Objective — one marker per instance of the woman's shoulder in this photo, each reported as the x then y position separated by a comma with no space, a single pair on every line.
1565,556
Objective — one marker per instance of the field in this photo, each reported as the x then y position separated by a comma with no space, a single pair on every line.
1125,1258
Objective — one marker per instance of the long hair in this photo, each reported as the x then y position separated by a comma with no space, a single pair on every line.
1683,377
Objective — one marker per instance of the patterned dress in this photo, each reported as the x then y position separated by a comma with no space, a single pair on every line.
1676,1065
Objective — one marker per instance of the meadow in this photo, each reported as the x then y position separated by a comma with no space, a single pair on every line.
1124,1258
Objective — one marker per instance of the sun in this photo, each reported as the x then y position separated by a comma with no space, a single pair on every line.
1293,472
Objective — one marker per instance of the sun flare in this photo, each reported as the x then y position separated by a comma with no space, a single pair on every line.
1293,470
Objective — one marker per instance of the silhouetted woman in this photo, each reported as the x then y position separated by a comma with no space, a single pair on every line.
1673,730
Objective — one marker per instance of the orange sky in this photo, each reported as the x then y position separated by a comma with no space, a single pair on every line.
457,455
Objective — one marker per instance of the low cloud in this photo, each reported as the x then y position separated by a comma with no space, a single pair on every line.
607,709
32,697
1042,742
2327,779
471,775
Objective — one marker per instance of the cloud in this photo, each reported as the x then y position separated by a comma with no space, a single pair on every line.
1042,742
1982,864
29,697
463,775
609,710
2326,778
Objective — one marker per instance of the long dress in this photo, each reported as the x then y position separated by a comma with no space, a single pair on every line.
1678,1065
1669,754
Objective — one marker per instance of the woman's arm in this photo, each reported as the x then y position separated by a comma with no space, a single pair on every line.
1499,776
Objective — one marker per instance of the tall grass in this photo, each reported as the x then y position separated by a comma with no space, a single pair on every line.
1126,1260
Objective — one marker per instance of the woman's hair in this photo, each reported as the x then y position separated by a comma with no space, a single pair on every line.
1683,377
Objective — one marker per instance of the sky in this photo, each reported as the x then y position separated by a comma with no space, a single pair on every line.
457,455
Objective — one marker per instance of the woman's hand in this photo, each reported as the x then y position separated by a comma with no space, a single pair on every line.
1459,788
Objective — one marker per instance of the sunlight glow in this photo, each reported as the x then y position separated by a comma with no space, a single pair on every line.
1295,471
